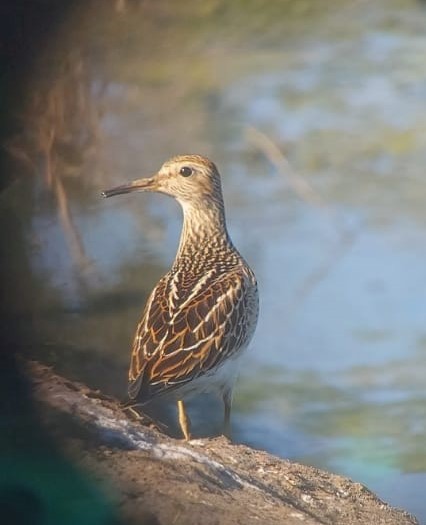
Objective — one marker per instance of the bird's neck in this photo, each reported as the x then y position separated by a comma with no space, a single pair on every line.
204,230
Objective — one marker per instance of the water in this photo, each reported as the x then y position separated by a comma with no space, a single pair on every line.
334,229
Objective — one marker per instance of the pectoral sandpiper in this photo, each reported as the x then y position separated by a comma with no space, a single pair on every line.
200,317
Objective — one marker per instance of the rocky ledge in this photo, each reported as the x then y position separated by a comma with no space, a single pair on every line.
154,479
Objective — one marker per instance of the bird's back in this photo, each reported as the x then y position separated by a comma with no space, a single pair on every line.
199,315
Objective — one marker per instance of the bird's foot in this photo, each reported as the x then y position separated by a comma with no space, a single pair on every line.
145,420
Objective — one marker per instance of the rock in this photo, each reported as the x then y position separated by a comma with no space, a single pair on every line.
154,479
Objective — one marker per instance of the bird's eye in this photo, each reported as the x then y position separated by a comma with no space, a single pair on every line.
186,171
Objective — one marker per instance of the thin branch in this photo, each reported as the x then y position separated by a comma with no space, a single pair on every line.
301,187
71,233
298,184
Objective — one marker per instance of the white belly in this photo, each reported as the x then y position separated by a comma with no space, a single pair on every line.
216,381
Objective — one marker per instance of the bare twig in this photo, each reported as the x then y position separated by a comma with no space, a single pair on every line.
62,130
72,235
298,184
301,187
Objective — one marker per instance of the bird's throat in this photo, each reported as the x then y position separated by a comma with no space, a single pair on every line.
203,229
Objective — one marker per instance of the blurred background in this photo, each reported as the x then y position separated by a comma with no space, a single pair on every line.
315,113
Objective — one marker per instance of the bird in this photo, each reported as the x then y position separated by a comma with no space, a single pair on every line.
202,314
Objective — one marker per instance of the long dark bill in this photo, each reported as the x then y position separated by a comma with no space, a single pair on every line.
137,185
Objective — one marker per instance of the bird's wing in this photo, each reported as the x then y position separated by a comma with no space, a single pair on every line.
174,346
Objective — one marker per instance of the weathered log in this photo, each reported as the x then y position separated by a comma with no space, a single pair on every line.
155,479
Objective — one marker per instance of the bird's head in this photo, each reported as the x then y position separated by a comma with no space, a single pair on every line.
192,180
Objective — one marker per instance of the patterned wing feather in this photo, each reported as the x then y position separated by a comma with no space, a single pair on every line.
173,346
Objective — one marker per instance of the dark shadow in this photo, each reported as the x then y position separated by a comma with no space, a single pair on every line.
38,483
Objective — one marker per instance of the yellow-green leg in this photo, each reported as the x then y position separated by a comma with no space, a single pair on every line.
184,421
144,418
227,401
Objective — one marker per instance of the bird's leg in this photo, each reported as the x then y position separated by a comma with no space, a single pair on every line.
144,418
227,401
184,421
135,414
